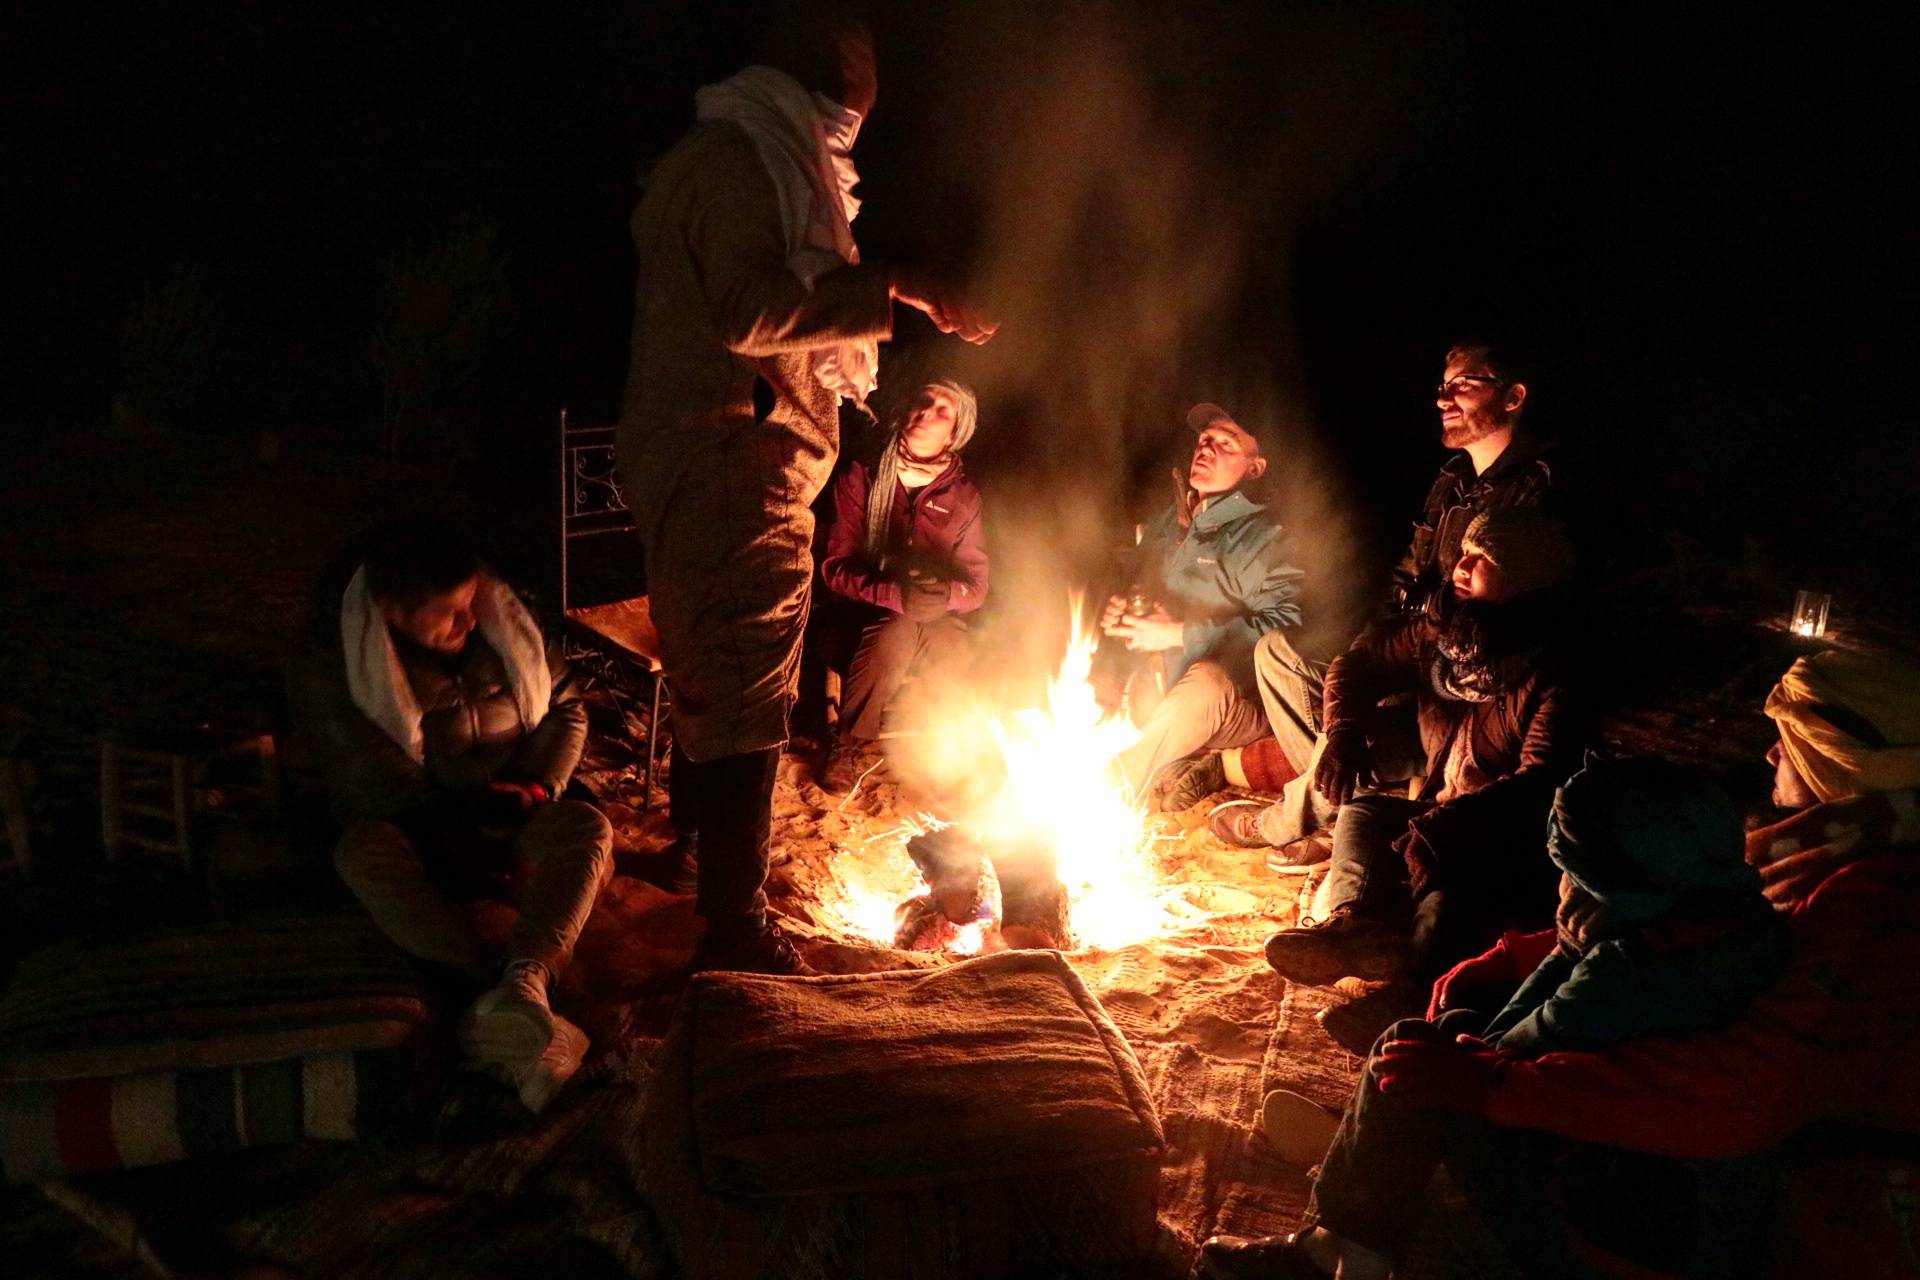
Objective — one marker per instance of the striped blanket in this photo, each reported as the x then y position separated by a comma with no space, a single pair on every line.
152,1047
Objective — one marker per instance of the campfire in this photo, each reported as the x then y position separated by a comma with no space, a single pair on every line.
1050,851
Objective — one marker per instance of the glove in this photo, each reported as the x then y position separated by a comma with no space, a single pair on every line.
1418,855
1436,1075
1344,764
923,599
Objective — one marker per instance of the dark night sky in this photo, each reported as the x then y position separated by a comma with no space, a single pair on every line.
1699,225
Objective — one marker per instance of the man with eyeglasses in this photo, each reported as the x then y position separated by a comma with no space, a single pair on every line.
1481,396
1482,392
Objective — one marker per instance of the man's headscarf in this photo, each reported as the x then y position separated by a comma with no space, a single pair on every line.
886,474
805,140
1864,692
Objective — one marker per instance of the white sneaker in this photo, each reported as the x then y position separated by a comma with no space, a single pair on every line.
555,1066
510,1026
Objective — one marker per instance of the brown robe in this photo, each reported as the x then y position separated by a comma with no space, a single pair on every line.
721,497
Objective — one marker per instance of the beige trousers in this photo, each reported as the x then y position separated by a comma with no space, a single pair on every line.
1203,709
565,854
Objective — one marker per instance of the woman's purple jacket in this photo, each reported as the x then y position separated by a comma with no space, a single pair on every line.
936,526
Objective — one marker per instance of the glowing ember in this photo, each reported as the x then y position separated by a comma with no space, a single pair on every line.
1056,790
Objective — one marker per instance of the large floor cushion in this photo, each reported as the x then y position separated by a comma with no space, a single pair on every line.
171,1042
982,1119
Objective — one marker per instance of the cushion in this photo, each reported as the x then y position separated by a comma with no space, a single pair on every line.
214,994
910,1124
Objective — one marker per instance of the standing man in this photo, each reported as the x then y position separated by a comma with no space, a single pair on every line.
753,318
1219,562
907,561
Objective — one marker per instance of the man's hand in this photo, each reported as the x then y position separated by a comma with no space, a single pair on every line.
923,597
1156,632
1429,1074
944,306
1346,763
1115,610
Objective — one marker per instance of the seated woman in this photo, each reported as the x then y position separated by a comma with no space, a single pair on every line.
1501,727
906,558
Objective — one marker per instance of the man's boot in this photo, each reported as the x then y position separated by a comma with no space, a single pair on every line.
1256,1258
1193,781
735,821
1321,952
765,950
1356,1025
840,774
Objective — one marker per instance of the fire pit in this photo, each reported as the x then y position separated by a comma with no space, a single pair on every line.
1045,848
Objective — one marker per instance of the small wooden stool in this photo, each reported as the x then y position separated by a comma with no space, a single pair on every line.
153,784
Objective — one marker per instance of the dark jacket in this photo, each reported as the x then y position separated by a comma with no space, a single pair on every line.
935,527
1227,578
1838,1038
1520,744
469,719
1520,477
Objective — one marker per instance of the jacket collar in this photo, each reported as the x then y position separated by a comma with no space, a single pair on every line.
1234,506
1520,451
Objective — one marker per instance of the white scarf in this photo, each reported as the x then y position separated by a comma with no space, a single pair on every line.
377,680
805,140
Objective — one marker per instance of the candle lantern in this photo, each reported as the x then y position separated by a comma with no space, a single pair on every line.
1810,613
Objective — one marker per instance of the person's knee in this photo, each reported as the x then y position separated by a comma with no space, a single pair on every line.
572,829
1206,684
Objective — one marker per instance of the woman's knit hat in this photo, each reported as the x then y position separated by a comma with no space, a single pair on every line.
1531,549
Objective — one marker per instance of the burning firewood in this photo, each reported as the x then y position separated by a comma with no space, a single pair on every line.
962,902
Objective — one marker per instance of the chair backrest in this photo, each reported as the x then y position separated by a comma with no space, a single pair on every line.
592,507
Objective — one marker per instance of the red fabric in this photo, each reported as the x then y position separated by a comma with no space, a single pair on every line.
1266,766
1837,1038
1507,963
83,1124
937,524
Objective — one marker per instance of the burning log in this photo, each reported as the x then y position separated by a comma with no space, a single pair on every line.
1035,906
961,907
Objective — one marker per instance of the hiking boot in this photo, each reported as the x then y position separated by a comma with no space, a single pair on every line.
1321,952
1296,1127
1300,856
841,772
768,951
1356,1026
1256,1258
510,1025
1193,781
1237,824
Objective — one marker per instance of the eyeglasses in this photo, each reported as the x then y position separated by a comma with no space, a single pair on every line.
1451,388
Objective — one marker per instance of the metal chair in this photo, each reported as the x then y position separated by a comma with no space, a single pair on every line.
592,507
